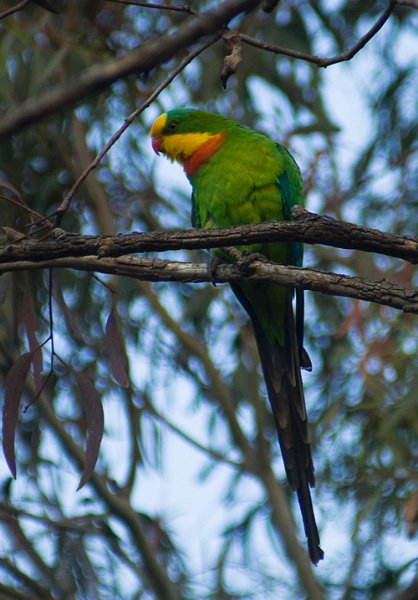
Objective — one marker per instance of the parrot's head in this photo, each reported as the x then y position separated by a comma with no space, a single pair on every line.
188,136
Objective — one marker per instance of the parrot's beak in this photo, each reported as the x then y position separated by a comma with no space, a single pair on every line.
156,133
156,143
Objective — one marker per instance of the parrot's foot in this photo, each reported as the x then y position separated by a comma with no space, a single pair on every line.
247,258
213,264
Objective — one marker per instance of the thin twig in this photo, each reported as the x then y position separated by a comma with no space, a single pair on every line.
26,208
14,9
317,60
174,7
64,206
84,524
210,452
118,505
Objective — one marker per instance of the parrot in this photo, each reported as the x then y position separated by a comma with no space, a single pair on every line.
241,176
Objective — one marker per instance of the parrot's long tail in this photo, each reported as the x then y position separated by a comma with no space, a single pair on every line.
281,367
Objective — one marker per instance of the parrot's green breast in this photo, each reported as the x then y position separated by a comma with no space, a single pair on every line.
240,185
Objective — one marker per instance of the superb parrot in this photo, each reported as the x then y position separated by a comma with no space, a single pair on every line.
240,176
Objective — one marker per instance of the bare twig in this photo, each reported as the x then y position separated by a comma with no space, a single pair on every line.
185,8
14,9
17,199
82,524
209,452
317,60
33,585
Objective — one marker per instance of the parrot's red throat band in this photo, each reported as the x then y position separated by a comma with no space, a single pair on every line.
203,153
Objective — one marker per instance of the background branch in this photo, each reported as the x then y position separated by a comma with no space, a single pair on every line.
142,59
153,53
318,60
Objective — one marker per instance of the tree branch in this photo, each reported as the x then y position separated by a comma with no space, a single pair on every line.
308,227
153,53
104,254
381,292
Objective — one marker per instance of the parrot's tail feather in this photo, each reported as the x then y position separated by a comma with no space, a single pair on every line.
289,412
288,406
281,367
311,531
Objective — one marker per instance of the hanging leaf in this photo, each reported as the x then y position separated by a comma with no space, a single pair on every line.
18,201
411,513
30,321
116,350
69,315
5,281
233,57
13,389
8,186
93,410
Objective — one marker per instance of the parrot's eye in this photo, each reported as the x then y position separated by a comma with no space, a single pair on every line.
173,126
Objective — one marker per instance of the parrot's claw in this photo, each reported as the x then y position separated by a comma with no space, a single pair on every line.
213,264
248,257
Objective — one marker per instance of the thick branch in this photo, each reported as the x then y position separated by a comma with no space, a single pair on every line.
381,292
309,228
142,59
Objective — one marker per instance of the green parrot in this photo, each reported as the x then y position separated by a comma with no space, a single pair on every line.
240,176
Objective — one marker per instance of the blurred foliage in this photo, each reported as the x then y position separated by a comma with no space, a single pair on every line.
190,348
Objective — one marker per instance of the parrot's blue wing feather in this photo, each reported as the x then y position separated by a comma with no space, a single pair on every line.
195,214
288,202
297,259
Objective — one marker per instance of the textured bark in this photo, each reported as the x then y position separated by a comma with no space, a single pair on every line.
309,228
334,284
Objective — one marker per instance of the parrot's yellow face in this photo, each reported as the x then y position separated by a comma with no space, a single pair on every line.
168,138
